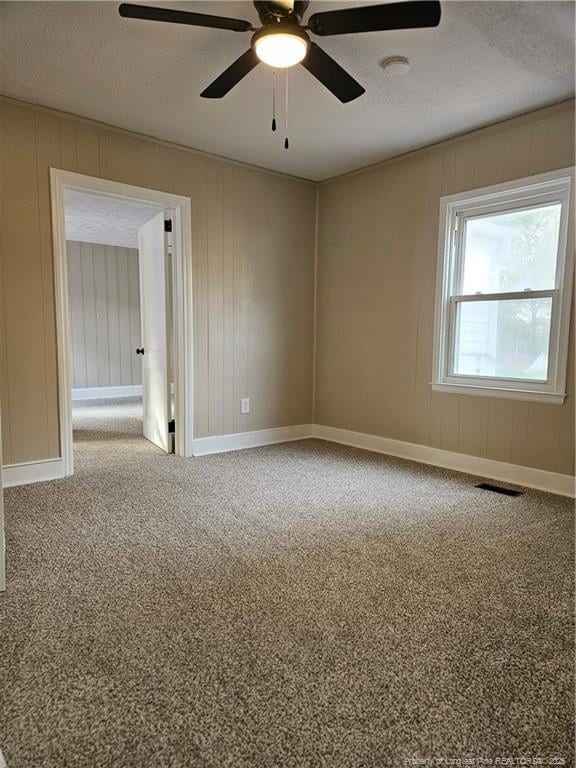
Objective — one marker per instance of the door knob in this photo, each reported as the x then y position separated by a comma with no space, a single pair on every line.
140,350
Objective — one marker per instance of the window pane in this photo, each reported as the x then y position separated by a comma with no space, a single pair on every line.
504,339
512,251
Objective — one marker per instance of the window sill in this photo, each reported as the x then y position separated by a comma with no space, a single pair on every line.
507,394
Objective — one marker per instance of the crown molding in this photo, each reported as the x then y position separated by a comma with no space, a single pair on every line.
508,123
512,121
150,139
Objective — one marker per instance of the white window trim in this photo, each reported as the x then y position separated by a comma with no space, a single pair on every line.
554,186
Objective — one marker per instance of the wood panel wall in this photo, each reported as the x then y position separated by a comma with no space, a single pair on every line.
253,286
378,235
252,271
104,295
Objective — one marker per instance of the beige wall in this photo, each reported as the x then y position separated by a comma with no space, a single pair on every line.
378,234
104,295
253,252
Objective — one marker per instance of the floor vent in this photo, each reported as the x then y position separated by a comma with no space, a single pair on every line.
498,489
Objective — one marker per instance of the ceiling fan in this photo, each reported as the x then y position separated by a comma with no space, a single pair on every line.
283,41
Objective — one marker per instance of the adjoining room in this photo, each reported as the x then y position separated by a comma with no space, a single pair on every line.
104,307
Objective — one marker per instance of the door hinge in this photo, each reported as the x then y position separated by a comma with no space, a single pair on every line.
167,225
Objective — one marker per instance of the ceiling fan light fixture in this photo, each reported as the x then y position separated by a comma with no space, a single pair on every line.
282,42
281,50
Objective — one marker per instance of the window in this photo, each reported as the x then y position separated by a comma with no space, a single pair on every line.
504,290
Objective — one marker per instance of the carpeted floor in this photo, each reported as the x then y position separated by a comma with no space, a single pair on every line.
302,605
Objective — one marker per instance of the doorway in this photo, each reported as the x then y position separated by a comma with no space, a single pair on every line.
104,285
132,360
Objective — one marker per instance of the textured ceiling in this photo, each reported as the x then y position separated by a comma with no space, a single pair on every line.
106,220
486,61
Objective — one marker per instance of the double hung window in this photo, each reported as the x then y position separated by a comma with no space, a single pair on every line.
504,290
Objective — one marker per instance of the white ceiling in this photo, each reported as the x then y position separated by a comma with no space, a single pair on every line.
92,218
486,61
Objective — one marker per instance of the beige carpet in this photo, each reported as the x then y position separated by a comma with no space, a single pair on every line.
300,605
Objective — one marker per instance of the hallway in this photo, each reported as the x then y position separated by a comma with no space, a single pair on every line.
299,605
106,420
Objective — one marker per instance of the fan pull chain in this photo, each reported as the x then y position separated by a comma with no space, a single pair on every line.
286,144
274,100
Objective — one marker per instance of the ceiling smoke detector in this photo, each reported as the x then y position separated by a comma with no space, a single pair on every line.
396,65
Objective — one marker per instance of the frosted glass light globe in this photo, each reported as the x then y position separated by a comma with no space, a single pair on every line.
281,49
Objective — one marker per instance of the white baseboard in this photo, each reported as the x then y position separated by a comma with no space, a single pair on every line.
32,472
222,443
102,393
552,482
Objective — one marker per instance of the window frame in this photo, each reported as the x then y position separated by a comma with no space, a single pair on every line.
455,210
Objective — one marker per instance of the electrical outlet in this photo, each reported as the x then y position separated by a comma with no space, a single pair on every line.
245,405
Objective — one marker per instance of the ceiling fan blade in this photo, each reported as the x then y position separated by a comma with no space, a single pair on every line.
331,74
231,76
149,13
377,18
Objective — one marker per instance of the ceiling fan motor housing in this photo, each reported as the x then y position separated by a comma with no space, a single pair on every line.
278,13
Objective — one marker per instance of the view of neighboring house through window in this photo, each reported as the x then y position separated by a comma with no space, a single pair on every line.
508,253
504,290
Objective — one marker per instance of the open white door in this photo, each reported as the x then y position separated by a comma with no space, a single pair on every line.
153,262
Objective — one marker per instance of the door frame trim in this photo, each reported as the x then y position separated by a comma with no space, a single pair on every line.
183,302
